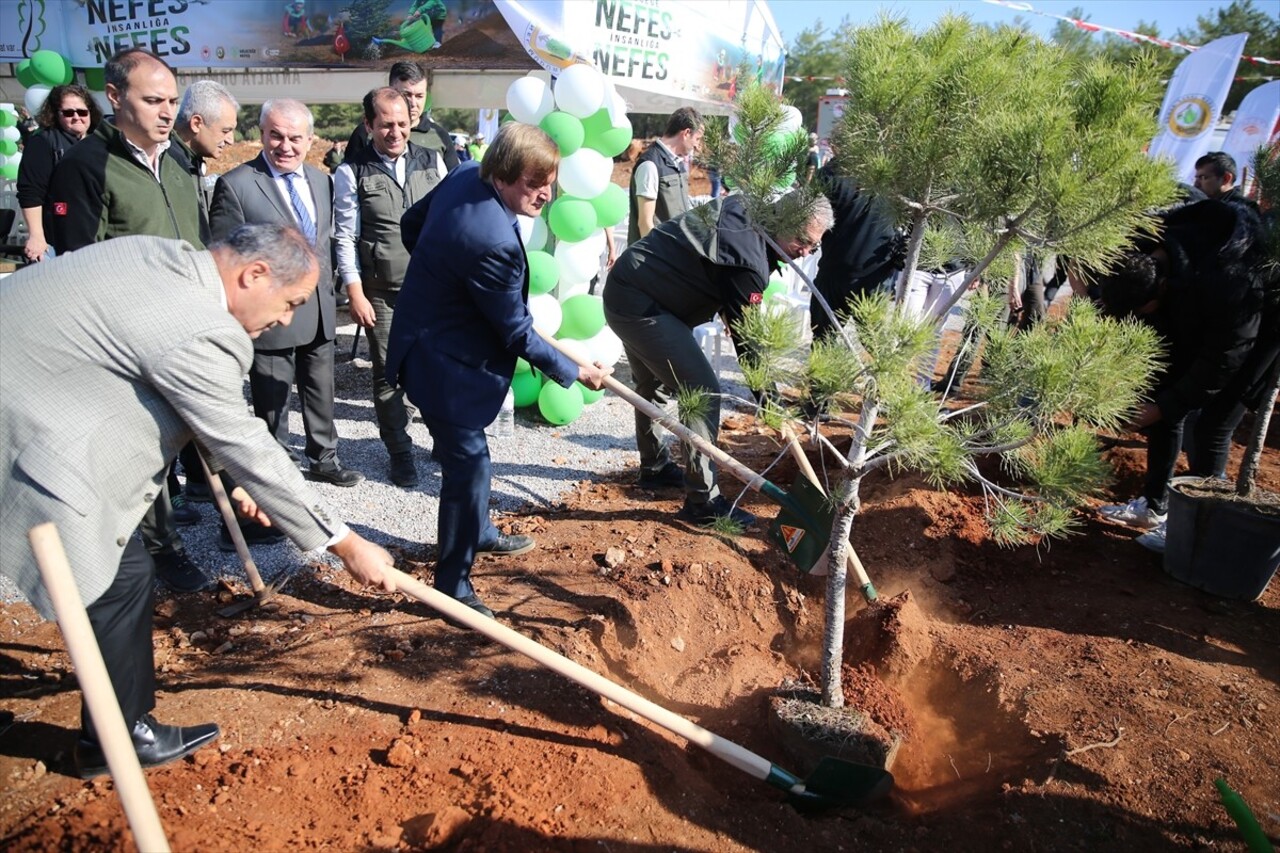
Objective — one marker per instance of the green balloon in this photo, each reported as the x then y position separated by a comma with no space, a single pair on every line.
610,206
26,74
8,119
95,79
559,405
522,366
583,317
8,146
572,219
525,387
544,272
597,123
775,288
565,130
50,68
611,142
10,171
588,396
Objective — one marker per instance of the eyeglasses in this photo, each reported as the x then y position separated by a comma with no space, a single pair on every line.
74,113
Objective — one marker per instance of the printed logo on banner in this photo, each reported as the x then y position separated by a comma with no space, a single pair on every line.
1190,117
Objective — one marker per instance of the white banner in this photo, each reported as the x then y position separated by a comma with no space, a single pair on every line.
1257,122
1193,103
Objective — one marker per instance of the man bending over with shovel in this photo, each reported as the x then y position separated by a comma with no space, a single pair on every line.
712,259
100,387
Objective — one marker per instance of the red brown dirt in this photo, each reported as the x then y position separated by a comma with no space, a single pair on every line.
1070,697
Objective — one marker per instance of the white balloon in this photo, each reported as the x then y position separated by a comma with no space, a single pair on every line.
14,159
605,347
791,120
34,98
574,288
10,133
580,90
617,109
579,261
546,313
585,173
576,350
538,239
529,100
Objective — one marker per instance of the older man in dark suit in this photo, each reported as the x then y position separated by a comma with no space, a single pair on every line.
278,187
100,386
461,321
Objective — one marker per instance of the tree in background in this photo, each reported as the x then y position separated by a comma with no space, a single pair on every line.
817,57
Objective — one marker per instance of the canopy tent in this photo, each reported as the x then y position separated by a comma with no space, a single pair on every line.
660,54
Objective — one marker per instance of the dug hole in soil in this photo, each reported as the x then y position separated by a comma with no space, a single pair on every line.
1066,697
1070,697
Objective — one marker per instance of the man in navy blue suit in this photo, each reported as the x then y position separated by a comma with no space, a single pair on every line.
461,321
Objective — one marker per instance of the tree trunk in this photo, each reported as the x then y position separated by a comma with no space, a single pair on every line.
1261,420
918,219
833,635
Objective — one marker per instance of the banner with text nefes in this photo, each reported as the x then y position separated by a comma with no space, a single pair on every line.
1193,103
696,50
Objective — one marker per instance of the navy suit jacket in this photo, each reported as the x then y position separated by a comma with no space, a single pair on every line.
462,316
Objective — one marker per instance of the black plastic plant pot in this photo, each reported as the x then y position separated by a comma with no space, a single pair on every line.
1223,545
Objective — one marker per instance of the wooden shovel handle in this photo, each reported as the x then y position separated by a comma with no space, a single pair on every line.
233,527
96,687
752,480
806,468
728,751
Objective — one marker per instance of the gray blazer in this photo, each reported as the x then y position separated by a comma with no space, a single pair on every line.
111,359
248,194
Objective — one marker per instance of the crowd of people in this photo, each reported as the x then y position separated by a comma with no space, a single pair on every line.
108,391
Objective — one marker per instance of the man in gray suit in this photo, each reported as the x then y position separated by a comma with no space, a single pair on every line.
100,386
278,187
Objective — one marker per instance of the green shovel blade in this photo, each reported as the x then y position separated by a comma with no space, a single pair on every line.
803,526
837,783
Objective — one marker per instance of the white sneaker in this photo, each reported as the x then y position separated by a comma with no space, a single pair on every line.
1153,539
1134,514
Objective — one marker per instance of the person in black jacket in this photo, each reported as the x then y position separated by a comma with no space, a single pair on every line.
68,115
709,260
1199,286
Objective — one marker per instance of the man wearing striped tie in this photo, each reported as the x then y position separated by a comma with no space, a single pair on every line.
279,187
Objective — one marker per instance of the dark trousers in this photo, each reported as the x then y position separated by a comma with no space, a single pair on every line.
663,354
388,401
271,381
158,530
463,523
121,620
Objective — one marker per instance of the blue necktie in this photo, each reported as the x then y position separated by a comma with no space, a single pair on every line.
305,221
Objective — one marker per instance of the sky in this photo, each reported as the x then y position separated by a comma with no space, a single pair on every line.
794,16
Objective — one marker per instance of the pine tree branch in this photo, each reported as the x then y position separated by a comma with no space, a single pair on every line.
987,485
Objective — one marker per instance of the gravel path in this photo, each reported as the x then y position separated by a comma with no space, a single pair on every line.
533,467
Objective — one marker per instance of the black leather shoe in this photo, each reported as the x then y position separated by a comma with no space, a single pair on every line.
509,546
254,534
184,514
670,476
176,571
403,472
717,508
336,475
155,744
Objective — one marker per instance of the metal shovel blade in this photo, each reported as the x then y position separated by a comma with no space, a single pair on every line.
803,525
837,783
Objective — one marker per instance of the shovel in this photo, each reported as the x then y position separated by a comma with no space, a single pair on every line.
95,684
261,592
834,783
803,528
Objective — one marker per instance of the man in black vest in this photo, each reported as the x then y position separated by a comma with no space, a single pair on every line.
660,182
410,80
372,190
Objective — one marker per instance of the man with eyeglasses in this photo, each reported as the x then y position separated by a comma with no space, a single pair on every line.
712,259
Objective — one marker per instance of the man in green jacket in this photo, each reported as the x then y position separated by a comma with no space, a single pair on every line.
120,182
